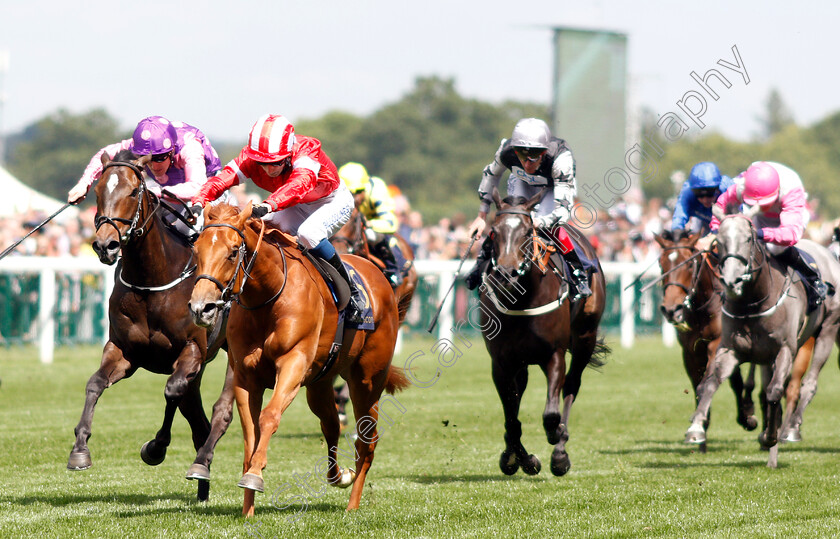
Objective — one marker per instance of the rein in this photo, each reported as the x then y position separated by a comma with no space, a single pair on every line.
133,231
136,232
538,246
245,268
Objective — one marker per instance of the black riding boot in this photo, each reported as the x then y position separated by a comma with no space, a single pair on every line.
392,272
473,279
581,280
357,301
793,258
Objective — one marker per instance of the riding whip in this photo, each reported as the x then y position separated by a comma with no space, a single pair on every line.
11,248
451,286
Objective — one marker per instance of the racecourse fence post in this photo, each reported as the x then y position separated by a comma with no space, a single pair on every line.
46,318
628,308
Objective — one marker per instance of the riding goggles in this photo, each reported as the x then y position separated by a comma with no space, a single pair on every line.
161,157
704,193
529,154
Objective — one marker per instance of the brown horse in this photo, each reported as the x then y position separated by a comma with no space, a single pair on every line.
280,335
351,239
691,300
150,326
528,319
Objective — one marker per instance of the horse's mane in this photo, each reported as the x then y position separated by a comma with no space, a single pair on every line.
222,212
514,200
124,156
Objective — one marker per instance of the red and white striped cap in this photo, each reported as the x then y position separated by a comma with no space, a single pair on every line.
272,139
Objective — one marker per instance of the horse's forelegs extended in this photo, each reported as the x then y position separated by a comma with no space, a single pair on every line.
187,367
286,386
510,387
722,367
219,423
775,389
555,372
113,368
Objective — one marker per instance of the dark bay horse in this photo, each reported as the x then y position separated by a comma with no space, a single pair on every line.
691,302
150,325
351,239
280,334
528,319
766,321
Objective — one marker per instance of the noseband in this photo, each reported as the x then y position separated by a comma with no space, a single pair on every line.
141,192
241,266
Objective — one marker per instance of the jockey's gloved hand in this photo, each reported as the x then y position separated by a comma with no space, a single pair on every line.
260,210
540,221
196,208
370,234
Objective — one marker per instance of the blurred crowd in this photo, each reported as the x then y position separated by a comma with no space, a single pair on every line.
622,233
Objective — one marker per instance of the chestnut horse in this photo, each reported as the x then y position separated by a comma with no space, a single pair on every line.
150,326
280,334
351,239
691,300
527,319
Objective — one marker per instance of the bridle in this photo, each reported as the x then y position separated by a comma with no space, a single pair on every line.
356,242
134,231
524,266
243,268
696,271
141,193
752,269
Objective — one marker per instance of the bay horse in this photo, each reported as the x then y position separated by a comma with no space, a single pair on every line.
527,319
280,335
150,325
766,321
351,239
691,302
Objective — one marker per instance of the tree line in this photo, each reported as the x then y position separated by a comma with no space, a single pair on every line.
434,143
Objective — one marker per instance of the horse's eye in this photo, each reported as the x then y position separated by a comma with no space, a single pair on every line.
135,192
233,252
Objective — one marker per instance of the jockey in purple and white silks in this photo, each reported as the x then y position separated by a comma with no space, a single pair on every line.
182,158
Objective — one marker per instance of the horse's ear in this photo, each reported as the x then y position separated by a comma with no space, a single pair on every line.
497,200
662,239
245,215
105,159
752,211
535,199
692,238
143,160
718,212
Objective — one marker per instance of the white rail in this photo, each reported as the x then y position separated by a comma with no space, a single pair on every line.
47,268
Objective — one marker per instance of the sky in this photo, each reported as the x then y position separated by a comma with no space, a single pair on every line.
219,65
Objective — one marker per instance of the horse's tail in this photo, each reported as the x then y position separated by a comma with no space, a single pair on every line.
599,354
396,381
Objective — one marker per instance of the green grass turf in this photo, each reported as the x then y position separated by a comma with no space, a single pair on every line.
436,470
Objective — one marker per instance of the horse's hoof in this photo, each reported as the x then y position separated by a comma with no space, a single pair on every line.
252,482
764,443
148,455
751,423
348,476
79,460
508,463
695,435
198,471
792,436
560,463
531,465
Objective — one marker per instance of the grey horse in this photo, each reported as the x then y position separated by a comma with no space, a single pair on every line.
765,321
